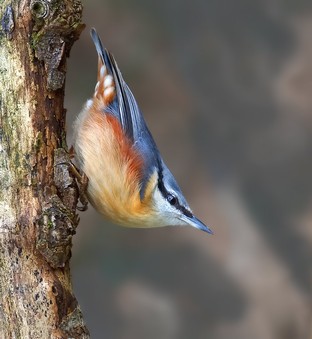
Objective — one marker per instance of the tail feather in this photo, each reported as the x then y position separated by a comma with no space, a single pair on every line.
105,89
115,92
101,51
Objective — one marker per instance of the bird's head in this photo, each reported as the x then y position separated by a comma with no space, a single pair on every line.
169,203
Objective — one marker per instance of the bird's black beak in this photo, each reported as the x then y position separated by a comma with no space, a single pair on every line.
194,222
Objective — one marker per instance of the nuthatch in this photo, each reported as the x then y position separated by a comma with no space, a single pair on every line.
128,181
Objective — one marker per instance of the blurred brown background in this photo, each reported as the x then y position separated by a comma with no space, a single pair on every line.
226,88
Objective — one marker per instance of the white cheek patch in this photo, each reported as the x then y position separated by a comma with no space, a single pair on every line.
167,214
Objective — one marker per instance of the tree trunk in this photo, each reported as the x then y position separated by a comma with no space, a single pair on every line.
38,195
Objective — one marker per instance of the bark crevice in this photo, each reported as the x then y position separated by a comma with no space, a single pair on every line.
38,195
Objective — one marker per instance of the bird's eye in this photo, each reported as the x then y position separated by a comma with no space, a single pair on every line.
172,199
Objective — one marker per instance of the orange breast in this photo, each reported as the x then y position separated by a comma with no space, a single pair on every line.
114,169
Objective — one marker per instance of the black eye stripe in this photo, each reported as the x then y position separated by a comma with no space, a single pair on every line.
186,212
166,194
161,185
172,199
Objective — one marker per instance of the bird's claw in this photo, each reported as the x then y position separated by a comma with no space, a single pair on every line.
82,180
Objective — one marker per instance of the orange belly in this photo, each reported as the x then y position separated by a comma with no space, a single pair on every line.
114,170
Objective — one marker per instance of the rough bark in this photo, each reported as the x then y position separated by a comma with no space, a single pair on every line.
38,195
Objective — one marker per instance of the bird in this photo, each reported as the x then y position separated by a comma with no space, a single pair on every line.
128,181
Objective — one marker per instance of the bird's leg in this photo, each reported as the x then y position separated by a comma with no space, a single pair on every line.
83,186
71,152
82,180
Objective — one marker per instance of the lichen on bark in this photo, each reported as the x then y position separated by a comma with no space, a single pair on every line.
38,195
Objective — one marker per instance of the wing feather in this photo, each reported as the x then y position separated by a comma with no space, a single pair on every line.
124,112
125,108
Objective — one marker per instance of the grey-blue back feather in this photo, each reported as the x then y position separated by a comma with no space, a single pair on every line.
126,109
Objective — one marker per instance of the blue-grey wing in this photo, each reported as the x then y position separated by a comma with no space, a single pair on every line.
125,108
143,140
